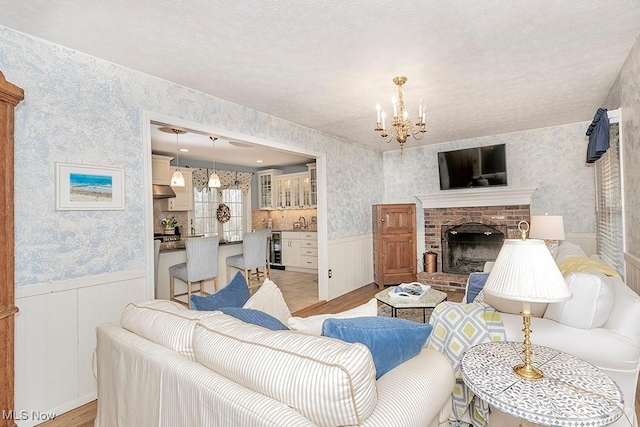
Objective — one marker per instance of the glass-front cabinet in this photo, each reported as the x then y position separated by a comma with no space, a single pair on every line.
288,191
266,188
313,185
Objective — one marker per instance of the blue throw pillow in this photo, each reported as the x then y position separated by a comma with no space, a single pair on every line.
475,284
256,317
235,294
390,340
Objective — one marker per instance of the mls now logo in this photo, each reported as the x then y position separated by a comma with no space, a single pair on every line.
25,415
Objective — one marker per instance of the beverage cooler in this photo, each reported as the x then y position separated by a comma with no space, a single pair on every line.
275,250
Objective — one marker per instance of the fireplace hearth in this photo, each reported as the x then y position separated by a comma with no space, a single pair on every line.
466,247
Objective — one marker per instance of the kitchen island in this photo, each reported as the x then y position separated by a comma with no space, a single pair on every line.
172,253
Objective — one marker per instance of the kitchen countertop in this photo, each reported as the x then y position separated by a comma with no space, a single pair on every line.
180,245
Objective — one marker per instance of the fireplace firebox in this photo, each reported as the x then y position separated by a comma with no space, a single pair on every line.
466,247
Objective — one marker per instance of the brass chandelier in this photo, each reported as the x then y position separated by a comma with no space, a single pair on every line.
401,124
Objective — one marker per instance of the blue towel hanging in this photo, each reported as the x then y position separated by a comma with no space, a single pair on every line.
598,133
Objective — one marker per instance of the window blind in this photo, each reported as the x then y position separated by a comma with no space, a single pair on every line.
609,233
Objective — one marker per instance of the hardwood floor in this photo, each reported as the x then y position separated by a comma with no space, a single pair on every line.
85,415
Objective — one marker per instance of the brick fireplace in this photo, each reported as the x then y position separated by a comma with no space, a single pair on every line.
447,211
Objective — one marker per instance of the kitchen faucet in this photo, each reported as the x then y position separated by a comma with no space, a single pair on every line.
304,222
193,231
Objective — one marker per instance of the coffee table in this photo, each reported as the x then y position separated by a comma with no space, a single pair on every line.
428,300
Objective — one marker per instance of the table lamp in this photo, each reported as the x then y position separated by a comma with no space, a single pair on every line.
525,271
549,228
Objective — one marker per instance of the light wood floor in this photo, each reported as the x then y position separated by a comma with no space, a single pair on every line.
84,416
299,290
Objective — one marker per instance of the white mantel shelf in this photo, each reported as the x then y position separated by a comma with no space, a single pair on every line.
477,197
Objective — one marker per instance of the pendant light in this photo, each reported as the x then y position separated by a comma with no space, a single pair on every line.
177,180
214,179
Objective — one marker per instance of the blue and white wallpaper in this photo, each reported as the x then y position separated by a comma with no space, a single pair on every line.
625,94
79,109
550,159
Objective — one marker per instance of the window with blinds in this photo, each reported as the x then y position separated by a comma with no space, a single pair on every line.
609,203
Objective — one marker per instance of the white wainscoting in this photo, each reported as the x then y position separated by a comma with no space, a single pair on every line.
632,272
351,264
587,241
55,338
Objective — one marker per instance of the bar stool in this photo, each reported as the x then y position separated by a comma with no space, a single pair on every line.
254,256
201,265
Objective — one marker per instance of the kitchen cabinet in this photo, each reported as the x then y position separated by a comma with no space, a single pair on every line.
266,188
184,195
289,191
313,185
160,169
300,250
291,249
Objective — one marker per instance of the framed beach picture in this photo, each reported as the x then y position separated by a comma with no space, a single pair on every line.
84,187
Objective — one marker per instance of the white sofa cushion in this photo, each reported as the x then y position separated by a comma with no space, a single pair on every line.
590,304
625,313
568,250
328,381
312,325
269,299
167,323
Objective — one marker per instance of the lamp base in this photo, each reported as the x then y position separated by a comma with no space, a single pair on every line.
528,372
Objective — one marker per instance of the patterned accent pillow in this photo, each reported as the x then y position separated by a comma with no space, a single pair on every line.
255,317
235,294
390,340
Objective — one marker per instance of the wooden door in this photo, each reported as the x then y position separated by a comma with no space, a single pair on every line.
10,96
394,244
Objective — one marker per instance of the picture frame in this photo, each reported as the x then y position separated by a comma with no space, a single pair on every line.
88,187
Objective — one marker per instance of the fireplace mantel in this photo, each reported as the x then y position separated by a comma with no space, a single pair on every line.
477,197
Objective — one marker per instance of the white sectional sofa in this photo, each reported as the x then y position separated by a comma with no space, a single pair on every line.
613,346
169,366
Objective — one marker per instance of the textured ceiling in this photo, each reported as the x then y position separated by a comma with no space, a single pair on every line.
481,67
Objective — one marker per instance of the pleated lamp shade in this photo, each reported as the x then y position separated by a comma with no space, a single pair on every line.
526,271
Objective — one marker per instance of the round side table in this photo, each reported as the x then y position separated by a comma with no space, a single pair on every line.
573,393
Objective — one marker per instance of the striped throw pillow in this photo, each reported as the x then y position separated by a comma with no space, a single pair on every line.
167,323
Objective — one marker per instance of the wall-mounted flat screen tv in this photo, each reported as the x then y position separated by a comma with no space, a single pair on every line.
473,167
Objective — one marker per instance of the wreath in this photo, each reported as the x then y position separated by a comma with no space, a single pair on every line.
223,214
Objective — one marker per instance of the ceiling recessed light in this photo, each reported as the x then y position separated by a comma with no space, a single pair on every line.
258,161
184,150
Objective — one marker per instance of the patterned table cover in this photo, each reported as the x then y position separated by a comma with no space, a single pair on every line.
572,393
